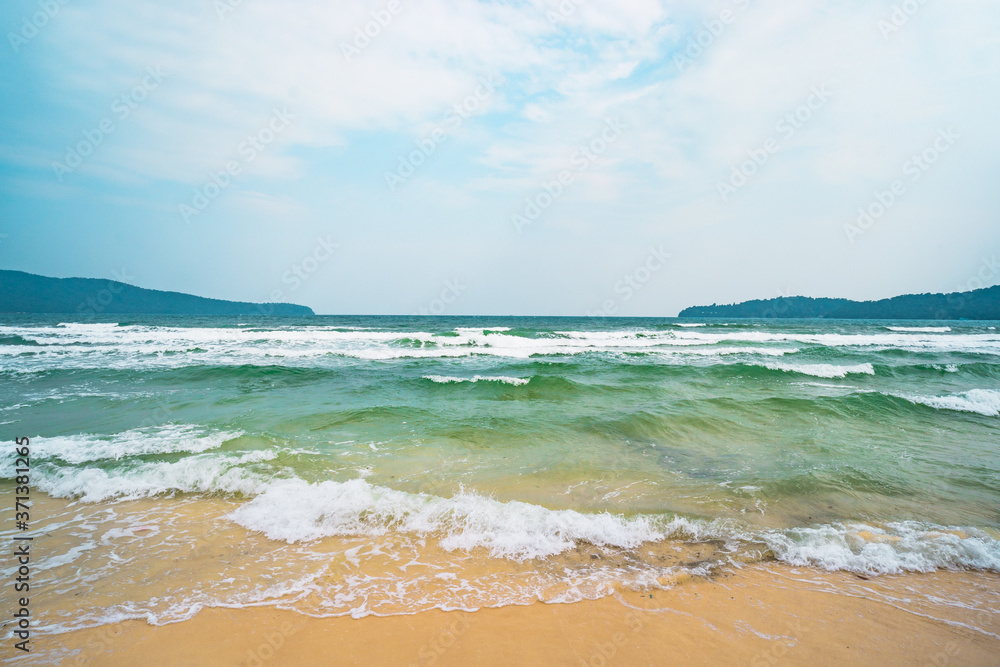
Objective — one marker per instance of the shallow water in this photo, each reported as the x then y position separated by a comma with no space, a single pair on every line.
356,465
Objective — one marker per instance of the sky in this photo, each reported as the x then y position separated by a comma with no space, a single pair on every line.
541,157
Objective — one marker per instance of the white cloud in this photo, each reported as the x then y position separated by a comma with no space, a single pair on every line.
686,128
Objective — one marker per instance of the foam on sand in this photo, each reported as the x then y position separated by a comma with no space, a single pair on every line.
890,549
295,511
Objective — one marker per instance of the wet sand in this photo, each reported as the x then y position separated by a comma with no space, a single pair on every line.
762,615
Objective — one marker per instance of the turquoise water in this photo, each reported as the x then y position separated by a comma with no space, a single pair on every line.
506,445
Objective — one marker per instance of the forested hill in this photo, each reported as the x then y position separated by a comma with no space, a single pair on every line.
982,304
22,292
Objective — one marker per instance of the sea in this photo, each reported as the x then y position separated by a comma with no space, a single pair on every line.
355,466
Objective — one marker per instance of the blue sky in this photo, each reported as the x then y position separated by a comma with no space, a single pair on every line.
573,157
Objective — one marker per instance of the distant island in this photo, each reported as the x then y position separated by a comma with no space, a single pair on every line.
22,292
981,304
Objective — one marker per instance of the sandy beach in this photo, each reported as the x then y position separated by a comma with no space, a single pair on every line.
762,615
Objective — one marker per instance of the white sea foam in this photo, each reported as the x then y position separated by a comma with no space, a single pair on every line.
296,511
684,350
981,401
202,473
65,558
134,346
890,549
921,329
910,341
446,379
85,326
167,439
822,370
950,368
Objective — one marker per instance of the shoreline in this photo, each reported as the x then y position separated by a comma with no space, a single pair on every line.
768,614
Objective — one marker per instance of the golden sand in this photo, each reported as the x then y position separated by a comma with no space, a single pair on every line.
763,615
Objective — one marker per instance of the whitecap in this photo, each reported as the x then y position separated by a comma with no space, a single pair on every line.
981,401
822,370
446,379
168,439
202,473
296,511
921,329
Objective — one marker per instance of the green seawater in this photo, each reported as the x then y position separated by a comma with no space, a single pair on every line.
799,435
